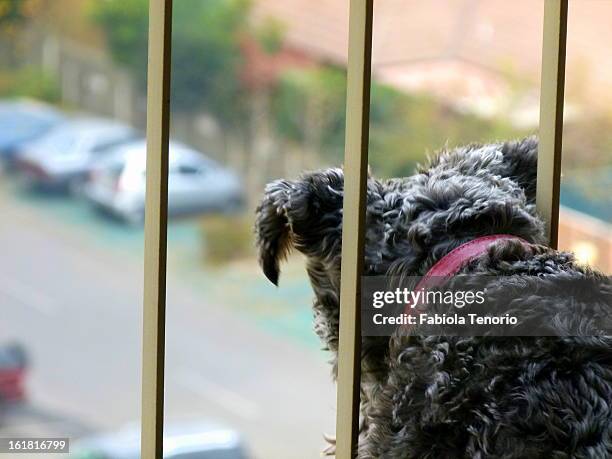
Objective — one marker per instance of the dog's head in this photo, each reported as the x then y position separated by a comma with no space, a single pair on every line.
461,194
306,214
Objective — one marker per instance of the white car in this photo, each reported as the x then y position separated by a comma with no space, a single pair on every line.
196,184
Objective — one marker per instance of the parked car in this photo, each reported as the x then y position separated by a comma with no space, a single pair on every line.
196,184
200,440
13,363
63,157
22,121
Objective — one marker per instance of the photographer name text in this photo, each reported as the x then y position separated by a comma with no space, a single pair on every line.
443,319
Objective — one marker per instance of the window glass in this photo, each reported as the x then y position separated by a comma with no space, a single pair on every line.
71,272
451,74
585,224
259,92
256,105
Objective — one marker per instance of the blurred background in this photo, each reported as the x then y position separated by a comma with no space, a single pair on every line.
258,93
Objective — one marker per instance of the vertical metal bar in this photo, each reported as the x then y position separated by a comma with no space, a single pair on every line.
353,225
156,223
551,116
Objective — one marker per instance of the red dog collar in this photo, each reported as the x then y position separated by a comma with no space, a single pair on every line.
452,262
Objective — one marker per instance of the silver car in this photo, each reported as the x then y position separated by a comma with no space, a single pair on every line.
196,184
63,157
186,440
22,121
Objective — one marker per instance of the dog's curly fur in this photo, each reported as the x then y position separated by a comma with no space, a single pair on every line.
456,397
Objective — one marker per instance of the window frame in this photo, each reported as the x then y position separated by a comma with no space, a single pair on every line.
355,170
552,92
353,225
156,228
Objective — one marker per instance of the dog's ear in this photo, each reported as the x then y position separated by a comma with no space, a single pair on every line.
306,214
521,163
272,231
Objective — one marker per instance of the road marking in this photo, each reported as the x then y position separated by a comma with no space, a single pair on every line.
216,393
28,295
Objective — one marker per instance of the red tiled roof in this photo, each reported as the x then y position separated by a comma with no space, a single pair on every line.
500,36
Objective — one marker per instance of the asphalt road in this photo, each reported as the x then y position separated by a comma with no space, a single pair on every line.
74,299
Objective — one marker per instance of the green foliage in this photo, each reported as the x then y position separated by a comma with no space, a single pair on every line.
206,56
271,34
205,49
15,13
125,25
30,82
310,111
14,16
308,105
404,128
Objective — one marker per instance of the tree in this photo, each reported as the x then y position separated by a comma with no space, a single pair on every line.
14,16
310,112
205,49
125,26
302,108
